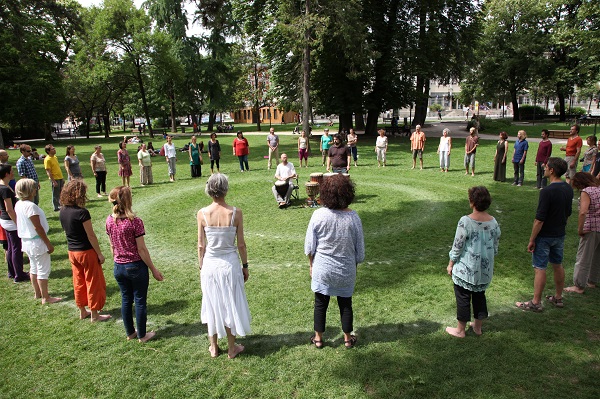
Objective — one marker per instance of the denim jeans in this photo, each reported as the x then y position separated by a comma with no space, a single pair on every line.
243,161
133,280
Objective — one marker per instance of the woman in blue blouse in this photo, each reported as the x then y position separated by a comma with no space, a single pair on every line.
335,246
472,261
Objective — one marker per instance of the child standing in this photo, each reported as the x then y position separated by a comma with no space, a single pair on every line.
32,227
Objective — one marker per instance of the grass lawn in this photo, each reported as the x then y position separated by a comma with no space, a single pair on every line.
403,300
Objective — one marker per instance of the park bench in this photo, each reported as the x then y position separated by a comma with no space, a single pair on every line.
63,133
559,134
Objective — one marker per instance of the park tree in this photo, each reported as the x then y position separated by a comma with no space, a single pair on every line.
35,40
125,31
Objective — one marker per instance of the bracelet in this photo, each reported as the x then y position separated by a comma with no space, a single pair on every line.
245,265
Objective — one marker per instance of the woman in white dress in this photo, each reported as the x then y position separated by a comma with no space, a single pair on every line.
222,277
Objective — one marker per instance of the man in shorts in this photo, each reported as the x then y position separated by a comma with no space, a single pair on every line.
417,145
548,235
572,151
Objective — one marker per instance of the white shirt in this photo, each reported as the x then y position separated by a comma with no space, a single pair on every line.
285,171
24,210
170,151
381,142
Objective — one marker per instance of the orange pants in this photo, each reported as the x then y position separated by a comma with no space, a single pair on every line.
88,279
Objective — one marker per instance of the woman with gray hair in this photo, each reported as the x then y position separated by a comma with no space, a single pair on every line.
224,305
444,150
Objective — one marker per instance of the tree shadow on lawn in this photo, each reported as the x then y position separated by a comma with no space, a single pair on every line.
520,354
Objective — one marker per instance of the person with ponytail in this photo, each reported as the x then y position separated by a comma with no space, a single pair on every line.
131,262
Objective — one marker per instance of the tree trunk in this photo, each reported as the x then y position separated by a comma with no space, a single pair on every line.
306,111
515,104
144,100
359,120
422,89
561,105
106,118
211,120
345,122
372,118
173,122
99,122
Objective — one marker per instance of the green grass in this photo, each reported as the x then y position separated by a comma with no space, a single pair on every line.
402,303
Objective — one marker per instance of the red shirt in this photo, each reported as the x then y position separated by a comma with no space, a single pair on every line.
122,234
240,147
573,144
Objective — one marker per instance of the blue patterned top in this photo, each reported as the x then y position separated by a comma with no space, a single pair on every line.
335,240
473,251
26,168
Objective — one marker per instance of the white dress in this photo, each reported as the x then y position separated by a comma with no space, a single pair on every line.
224,302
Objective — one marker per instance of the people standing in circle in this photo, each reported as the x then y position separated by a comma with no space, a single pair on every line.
26,168
334,256
444,149
54,175
145,163
214,153
32,228
326,141
171,157
352,140
381,146
273,143
500,157
241,150
8,221
124,163
544,152
471,144
417,146
471,262
72,164
225,308
519,156
303,148
195,153
86,258
98,164
587,263
131,262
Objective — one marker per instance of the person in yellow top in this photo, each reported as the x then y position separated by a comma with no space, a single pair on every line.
54,174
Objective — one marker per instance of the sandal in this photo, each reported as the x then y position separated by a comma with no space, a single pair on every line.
318,344
351,342
558,302
529,305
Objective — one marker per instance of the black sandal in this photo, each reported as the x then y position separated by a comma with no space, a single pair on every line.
351,342
316,343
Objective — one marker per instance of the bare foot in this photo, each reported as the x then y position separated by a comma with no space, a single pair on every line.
101,317
50,300
589,285
147,337
132,336
84,315
37,296
214,352
574,289
455,332
237,349
476,330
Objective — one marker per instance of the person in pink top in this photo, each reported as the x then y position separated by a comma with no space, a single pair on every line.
587,263
543,153
132,261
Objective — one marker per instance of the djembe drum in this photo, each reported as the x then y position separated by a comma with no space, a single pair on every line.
317,178
282,187
312,191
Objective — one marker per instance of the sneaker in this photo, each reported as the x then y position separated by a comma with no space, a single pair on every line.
519,185
514,183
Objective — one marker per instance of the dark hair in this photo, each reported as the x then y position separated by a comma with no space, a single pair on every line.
593,138
480,197
74,193
240,132
337,192
47,148
576,128
580,181
213,135
337,136
121,144
69,148
5,170
558,165
504,135
546,131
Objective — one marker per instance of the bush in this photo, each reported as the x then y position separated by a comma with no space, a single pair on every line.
571,111
436,107
531,112
495,125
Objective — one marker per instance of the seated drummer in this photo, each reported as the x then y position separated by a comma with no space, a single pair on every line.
285,171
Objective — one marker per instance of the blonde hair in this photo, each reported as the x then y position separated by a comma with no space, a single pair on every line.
121,199
523,133
26,188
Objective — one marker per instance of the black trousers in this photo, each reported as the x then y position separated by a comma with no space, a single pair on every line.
464,298
100,181
321,305
196,170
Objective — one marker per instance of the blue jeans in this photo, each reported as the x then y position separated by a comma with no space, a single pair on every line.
243,161
133,280
548,249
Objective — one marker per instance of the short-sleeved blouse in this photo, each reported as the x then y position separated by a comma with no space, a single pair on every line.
122,234
592,219
74,165
100,162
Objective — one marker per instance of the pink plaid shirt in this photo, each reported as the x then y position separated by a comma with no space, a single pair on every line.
592,220
122,234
